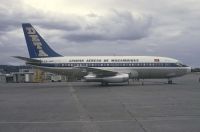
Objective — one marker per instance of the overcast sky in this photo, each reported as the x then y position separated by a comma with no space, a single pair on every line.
104,27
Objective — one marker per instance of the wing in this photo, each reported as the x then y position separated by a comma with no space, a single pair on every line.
99,72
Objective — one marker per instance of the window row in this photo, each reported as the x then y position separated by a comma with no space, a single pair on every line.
115,65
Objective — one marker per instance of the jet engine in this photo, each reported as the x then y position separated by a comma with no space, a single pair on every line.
118,78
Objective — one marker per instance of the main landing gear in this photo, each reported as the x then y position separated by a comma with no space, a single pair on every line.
170,81
104,83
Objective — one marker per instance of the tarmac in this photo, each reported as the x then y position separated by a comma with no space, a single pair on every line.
88,107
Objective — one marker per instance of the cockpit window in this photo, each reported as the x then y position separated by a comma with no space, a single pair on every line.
180,65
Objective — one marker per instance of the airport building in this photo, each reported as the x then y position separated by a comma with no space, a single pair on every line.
2,78
26,74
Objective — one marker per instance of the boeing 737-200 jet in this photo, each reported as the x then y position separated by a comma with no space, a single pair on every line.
104,69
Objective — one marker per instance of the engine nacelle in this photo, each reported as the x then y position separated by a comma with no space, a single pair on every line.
119,78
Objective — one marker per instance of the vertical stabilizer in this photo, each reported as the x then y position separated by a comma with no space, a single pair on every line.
37,47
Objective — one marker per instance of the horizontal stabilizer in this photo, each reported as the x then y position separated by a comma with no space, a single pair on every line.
27,59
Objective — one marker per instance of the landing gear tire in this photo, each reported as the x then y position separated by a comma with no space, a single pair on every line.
104,84
142,82
170,81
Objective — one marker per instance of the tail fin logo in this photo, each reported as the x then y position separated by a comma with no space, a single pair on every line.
36,41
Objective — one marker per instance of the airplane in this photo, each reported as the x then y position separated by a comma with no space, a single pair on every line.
103,69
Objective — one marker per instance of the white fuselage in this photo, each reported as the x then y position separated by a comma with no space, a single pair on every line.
105,69
136,66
